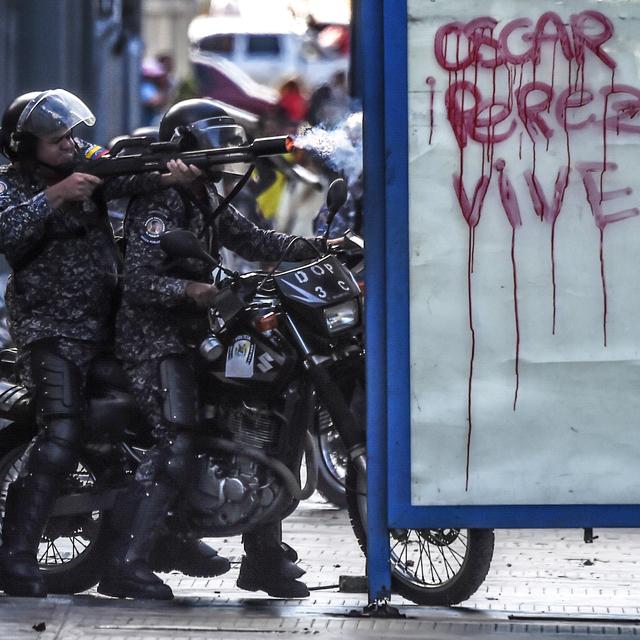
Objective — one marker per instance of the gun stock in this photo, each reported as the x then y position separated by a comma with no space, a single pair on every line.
155,155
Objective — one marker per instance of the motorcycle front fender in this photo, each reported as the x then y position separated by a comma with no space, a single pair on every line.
335,403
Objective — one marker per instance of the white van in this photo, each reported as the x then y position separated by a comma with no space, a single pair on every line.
270,56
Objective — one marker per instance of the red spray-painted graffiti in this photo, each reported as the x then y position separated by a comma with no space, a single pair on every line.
527,78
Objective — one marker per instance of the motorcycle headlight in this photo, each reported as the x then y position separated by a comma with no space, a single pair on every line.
341,316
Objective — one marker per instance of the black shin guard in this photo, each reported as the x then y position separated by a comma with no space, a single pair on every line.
137,523
28,505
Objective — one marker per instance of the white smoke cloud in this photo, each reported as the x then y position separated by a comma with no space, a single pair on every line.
339,147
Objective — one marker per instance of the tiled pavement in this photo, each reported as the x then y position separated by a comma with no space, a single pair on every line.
542,582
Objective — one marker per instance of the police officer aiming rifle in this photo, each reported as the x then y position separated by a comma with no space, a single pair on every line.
55,234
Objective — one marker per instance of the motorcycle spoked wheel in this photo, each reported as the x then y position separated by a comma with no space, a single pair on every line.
71,550
332,460
435,567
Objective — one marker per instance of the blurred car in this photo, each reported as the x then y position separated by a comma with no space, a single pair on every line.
222,80
269,54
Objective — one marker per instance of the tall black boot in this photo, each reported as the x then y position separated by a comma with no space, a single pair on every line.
29,502
179,552
268,564
140,516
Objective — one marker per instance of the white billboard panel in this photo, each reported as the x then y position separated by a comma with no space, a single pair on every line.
524,194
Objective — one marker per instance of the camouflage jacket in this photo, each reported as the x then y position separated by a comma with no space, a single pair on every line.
64,260
156,316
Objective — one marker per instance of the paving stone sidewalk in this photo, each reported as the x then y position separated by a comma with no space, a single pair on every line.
541,582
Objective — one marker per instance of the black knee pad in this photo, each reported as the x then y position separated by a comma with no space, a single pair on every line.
58,384
179,388
55,452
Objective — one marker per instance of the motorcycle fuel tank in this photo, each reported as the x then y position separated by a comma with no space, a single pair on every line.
251,360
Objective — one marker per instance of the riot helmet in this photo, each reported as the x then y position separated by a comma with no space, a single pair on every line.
40,114
200,123
14,144
151,133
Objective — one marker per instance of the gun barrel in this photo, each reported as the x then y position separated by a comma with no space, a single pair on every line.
156,159
275,145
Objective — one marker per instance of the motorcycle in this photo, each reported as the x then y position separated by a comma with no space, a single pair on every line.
280,344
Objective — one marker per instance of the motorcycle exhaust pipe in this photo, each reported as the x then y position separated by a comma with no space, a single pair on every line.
83,503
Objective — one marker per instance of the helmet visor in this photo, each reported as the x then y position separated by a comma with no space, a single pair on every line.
54,112
210,134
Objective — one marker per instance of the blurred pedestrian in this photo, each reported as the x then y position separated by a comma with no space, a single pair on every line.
155,91
293,103
330,103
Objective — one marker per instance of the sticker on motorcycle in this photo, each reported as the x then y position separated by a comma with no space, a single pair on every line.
240,358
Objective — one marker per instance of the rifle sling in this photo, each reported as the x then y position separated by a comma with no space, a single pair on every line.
210,215
224,203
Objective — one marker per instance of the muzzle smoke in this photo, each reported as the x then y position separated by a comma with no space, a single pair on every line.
339,147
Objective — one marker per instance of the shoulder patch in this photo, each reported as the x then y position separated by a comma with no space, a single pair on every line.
153,228
4,193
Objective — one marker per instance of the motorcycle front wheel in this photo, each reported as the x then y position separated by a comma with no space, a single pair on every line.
332,460
435,567
70,554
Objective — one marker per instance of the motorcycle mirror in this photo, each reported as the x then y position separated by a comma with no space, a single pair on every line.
179,243
336,197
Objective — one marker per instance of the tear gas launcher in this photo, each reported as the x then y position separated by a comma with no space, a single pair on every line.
141,154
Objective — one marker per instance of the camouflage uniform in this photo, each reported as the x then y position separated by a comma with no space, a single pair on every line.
154,331
156,317
64,263
60,300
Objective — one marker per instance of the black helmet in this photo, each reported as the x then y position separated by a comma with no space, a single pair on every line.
14,144
200,123
39,114
146,132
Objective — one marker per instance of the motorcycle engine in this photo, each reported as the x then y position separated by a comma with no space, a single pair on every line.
233,490
256,426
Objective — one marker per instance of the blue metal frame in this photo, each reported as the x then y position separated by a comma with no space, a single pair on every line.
384,52
401,513
372,56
